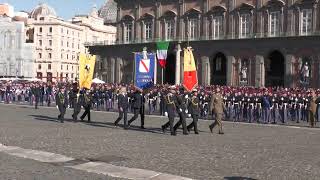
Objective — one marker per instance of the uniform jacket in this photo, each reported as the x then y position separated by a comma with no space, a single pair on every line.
123,101
217,105
194,105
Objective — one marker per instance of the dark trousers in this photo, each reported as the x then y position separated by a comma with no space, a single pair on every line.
76,111
36,101
169,123
182,121
194,123
86,113
122,114
62,110
137,111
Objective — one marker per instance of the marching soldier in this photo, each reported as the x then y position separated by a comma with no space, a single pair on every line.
194,111
182,110
87,101
312,109
138,107
75,96
123,107
218,108
62,103
170,107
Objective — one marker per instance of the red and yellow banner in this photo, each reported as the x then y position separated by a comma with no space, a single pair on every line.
190,79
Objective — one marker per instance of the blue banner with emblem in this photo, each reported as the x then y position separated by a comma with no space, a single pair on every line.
144,70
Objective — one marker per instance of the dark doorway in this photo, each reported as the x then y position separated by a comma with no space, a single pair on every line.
170,70
219,69
274,67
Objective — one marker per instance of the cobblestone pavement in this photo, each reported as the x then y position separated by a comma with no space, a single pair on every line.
246,150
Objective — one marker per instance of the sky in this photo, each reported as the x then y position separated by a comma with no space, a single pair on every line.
64,8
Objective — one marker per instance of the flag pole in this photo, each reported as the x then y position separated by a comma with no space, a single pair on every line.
162,76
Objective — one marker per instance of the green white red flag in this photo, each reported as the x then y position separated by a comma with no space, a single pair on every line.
162,52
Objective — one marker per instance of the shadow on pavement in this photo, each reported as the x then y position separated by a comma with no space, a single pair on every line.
47,118
238,178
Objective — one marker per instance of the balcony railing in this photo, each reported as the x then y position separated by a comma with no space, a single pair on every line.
201,38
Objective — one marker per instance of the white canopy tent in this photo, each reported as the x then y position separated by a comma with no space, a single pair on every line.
97,81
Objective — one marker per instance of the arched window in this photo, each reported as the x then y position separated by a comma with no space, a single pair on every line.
127,28
147,21
216,18
169,25
193,24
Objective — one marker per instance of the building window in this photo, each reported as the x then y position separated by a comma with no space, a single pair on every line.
50,55
245,25
128,32
193,28
50,42
67,31
40,42
148,30
61,43
72,45
306,22
49,66
67,56
217,23
274,24
169,25
67,67
61,67
61,30
50,29
39,66
61,56
67,44
40,29
40,55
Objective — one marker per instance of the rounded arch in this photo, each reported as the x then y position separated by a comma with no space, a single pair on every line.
169,13
274,69
127,18
218,64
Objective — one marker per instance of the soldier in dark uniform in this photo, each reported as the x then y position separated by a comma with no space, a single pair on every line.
170,110
182,110
123,107
62,103
284,101
138,107
36,93
274,108
75,97
194,111
86,103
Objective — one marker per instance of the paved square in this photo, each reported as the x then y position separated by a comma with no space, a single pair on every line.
250,151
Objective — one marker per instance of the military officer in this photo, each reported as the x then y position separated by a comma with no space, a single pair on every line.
123,107
138,107
87,102
75,97
218,107
170,110
62,103
194,111
181,110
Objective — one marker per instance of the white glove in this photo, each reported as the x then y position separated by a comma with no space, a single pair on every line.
165,113
57,107
68,106
189,115
186,96
186,111
180,110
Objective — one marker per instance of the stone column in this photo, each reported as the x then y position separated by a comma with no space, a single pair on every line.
230,60
259,71
288,76
206,71
112,70
178,64
118,71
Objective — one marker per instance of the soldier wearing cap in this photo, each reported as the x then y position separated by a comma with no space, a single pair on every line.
182,111
193,107
62,103
312,108
86,103
170,110
75,97
123,107
138,106
218,107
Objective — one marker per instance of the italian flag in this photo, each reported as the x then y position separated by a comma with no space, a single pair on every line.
162,52
190,79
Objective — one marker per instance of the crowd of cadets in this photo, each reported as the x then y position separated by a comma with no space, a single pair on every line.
246,104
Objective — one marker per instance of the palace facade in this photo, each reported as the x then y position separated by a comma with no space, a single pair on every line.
235,42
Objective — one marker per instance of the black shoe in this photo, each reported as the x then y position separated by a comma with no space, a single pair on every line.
61,121
142,127
188,129
115,124
185,133
173,134
210,127
89,121
163,129
196,132
221,132
81,119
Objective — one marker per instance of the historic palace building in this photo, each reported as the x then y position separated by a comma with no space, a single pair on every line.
235,42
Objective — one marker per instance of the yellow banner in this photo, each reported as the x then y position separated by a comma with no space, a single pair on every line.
86,69
189,63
